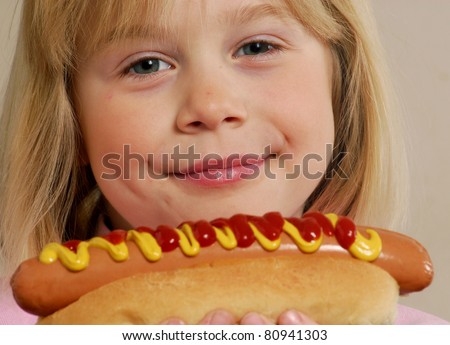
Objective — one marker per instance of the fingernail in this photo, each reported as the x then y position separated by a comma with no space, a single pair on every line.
293,317
218,317
255,319
173,322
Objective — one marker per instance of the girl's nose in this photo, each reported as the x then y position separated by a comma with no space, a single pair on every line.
210,102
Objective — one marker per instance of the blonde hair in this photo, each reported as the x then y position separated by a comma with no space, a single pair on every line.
47,193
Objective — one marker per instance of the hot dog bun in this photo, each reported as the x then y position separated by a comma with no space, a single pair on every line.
323,265
323,288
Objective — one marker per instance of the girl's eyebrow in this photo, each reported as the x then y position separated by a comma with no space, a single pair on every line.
159,32
249,13
148,32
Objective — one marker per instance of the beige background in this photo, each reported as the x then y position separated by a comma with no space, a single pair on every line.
415,34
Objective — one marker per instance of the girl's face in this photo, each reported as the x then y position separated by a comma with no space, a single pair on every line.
227,111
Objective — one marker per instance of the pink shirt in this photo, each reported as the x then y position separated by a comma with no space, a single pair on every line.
11,314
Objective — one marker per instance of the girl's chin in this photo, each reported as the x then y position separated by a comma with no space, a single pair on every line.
165,209
208,212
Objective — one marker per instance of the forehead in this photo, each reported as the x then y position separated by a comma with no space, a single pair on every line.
162,18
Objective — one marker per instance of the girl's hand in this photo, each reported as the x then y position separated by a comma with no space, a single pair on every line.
289,317
223,317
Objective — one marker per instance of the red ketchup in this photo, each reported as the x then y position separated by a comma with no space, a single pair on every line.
116,236
72,245
204,233
324,222
309,228
345,232
242,231
268,227
166,237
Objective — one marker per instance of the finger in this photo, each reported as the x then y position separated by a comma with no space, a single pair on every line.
293,317
218,317
255,319
173,321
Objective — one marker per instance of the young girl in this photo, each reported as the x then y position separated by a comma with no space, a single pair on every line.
127,113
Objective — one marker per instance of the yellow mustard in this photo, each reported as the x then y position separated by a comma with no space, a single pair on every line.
363,248
304,246
188,244
226,237
367,249
119,252
333,218
263,240
74,262
146,243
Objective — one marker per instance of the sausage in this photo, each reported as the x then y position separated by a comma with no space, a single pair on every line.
42,288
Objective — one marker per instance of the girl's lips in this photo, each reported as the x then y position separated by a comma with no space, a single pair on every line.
219,173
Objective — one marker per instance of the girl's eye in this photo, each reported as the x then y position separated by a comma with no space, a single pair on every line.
255,48
148,66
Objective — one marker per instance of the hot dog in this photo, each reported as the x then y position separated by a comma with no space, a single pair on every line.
323,258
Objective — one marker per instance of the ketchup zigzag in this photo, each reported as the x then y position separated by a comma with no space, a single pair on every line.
238,231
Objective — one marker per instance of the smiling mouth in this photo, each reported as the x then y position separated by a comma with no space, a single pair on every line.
220,172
